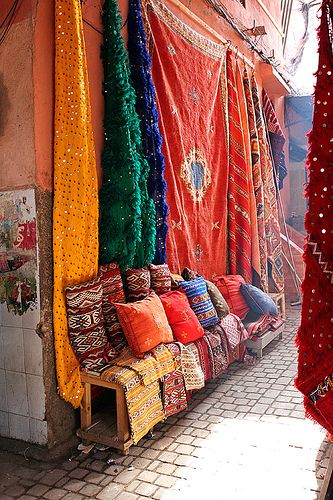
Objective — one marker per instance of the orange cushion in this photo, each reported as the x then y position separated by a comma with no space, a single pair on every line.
182,319
144,323
229,286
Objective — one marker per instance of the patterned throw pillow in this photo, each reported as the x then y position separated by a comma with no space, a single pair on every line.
258,300
144,323
182,319
229,286
175,279
96,365
217,298
113,291
138,284
160,277
188,274
198,296
85,320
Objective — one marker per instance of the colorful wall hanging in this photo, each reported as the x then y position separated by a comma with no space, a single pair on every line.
257,183
271,213
276,138
315,335
239,205
75,203
255,254
127,227
188,73
140,64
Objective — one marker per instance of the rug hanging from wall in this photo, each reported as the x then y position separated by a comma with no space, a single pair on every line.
127,228
75,201
257,182
315,335
271,212
140,64
243,242
189,76
277,139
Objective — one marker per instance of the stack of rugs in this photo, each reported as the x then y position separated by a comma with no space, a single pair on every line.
161,336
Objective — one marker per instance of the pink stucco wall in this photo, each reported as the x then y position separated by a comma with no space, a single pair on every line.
17,156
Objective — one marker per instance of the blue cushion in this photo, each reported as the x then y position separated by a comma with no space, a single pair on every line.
199,299
258,300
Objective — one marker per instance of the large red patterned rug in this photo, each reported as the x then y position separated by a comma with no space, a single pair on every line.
188,73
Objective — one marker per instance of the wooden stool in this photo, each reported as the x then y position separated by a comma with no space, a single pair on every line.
104,429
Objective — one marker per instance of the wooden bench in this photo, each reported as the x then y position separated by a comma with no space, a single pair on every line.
108,427
111,426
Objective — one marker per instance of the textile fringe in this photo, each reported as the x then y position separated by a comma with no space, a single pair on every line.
127,218
140,64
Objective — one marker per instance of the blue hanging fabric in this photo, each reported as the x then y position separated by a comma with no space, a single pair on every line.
140,65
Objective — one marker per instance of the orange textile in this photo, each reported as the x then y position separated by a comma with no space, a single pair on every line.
255,255
189,76
144,323
257,184
239,210
271,212
75,208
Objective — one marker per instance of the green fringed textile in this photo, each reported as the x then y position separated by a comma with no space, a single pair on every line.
127,227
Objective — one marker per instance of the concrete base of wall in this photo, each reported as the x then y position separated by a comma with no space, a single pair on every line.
61,451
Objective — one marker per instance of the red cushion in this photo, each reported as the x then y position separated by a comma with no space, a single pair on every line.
181,317
144,323
229,286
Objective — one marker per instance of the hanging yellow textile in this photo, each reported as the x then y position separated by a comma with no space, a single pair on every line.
75,208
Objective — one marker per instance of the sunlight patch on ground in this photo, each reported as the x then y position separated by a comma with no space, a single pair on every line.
256,460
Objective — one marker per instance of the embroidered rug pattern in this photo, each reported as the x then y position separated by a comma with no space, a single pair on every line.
218,349
271,213
174,392
277,139
189,76
239,222
257,183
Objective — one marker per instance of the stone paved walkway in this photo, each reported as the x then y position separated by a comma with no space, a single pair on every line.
244,436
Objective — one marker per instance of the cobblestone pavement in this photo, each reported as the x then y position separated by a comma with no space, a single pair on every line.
244,436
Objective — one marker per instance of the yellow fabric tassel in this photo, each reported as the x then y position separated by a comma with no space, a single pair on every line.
75,209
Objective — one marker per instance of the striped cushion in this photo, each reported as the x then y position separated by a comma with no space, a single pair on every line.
113,291
199,299
85,320
138,284
160,277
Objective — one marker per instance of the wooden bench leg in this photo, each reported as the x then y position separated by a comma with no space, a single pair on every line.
85,410
122,416
283,306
